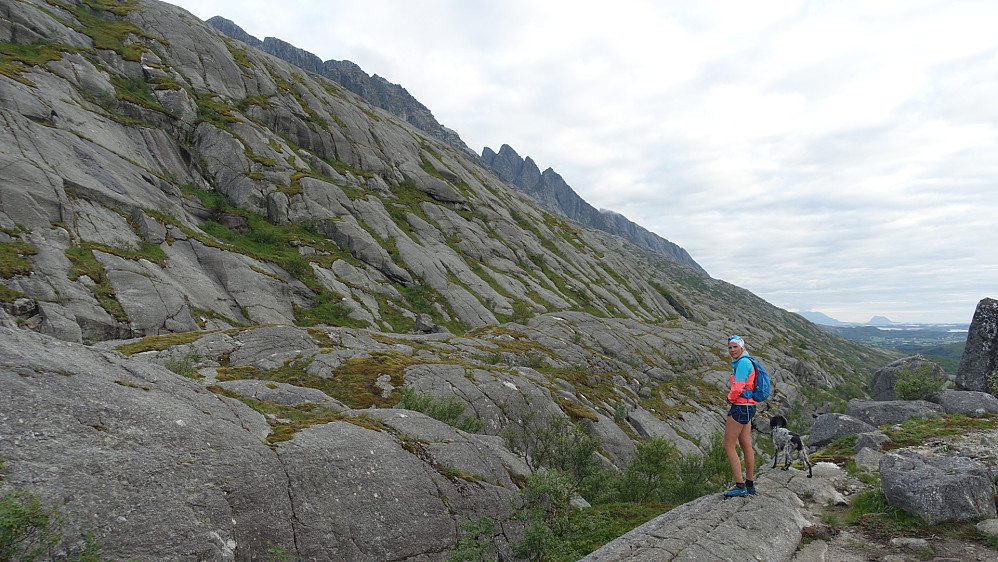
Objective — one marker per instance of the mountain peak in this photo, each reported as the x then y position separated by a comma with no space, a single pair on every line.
553,192
377,90
819,318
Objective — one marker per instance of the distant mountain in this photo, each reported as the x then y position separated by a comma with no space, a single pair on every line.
550,190
819,318
379,92
825,320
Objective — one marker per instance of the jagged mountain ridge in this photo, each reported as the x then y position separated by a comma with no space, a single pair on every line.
551,190
173,198
379,92
548,188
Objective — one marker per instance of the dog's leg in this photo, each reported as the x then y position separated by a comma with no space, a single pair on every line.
807,461
798,447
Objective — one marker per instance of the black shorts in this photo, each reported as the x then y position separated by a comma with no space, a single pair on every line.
742,413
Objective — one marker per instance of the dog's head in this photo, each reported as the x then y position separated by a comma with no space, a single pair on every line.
777,421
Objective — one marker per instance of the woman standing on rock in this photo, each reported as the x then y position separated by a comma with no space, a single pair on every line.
738,427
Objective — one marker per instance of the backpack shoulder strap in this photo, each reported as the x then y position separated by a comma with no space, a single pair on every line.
755,370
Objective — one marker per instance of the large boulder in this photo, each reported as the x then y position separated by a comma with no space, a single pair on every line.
895,411
876,441
829,427
966,402
882,383
869,460
937,488
980,354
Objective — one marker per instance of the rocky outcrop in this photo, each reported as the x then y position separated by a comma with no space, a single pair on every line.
980,354
550,190
547,188
878,413
966,402
874,441
938,489
882,383
498,373
197,218
829,427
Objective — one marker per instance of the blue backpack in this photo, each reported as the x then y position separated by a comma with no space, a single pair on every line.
762,386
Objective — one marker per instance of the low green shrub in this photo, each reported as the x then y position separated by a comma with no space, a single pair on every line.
475,542
917,383
29,530
659,473
186,366
449,410
916,431
12,258
658,478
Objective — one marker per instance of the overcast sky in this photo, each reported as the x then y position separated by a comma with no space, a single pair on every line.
832,156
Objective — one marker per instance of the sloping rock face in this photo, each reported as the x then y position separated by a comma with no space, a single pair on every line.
133,453
217,186
767,526
980,354
548,188
712,528
500,373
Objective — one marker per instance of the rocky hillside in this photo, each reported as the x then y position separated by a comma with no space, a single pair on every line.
218,272
547,188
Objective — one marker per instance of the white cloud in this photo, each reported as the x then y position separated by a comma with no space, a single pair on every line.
836,156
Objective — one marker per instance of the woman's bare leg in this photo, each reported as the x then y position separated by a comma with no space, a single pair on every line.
732,436
745,441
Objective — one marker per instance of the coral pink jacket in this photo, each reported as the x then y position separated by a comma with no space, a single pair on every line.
742,378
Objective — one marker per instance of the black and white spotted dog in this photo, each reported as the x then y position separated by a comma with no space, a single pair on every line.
788,443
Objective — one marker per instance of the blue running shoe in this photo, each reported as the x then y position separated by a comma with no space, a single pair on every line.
750,489
736,492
